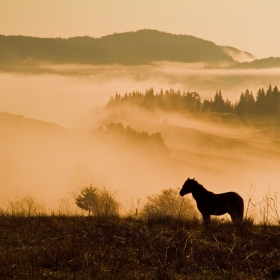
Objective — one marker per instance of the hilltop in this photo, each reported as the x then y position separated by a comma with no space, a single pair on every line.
130,48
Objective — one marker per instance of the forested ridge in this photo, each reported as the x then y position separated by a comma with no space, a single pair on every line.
270,62
263,103
130,48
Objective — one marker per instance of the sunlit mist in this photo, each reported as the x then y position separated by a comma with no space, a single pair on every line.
49,123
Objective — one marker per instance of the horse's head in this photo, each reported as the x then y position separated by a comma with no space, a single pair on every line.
188,186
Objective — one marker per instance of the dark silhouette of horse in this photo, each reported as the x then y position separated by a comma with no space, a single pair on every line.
209,203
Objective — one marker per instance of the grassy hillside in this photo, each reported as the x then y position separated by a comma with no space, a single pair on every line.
131,48
60,247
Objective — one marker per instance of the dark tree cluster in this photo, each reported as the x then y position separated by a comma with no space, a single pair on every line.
218,104
266,103
117,133
170,100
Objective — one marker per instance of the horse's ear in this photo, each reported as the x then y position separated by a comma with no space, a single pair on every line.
193,179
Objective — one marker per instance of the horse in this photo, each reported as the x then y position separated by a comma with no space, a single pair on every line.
209,203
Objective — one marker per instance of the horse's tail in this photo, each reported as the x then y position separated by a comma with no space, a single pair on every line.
241,208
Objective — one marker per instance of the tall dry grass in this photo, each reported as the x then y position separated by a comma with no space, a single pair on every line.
76,246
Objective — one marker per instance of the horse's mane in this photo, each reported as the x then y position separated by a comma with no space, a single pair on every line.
199,189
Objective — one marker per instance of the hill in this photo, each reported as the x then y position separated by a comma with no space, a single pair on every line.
130,48
264,63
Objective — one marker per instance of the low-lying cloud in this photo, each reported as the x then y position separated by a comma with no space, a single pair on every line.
37,158
63,93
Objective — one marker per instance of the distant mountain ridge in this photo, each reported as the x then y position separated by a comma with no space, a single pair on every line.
264,63
130,48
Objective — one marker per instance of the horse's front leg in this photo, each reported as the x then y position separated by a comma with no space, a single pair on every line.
206,218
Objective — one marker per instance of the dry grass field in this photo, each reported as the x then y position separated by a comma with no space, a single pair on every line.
77,247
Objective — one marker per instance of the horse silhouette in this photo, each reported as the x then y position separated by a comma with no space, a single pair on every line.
209,203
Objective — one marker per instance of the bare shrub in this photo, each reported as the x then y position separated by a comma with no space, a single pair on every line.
250,207
275,208
67,207
169,204
269,209
265,212
25,206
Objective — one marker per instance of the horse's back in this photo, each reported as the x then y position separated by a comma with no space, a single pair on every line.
230,201
232,195
235,203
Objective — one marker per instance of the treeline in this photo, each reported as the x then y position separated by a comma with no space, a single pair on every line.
265,103
263,63
117,133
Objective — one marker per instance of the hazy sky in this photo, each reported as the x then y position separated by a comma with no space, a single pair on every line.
250,25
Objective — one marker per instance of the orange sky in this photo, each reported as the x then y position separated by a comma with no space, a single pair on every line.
41,163
250,25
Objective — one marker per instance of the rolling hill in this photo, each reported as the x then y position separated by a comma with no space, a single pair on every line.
130,48
264,63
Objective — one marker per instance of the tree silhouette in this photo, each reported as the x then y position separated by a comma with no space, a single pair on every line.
117,133
246,104
274,101
96,202
88,199
266,103
261,106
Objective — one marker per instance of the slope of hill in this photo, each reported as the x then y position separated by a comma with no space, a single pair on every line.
265,63
131,48
238,55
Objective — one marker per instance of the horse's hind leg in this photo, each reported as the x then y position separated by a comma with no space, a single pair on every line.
236,218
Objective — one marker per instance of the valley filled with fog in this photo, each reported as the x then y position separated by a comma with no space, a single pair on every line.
50,145
66,94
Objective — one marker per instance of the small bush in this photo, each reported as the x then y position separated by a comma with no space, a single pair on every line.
168,204
97,202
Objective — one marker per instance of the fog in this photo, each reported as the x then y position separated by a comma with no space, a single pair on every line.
50,151
66,94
